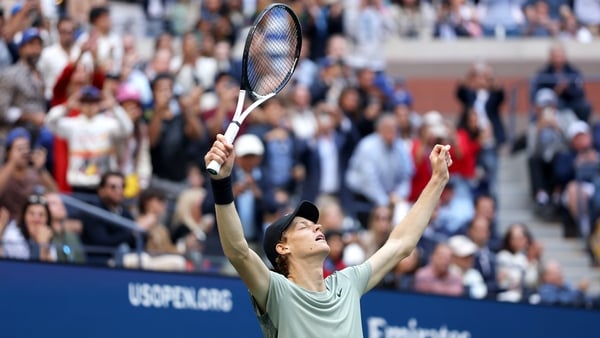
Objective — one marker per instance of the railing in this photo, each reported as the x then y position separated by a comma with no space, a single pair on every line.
113,219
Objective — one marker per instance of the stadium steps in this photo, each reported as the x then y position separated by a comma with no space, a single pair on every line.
515,206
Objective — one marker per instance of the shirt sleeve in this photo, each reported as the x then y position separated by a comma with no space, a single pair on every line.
359,275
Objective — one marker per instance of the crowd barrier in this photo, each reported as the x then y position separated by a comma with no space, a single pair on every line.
54,300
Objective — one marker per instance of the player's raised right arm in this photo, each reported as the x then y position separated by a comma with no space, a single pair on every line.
248,264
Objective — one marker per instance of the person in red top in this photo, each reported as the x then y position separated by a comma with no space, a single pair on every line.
73,77
471,137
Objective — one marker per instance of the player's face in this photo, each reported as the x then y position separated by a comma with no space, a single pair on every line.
305,239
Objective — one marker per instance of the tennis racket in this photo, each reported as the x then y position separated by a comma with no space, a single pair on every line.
270,56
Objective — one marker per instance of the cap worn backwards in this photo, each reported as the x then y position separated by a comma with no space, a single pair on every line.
275,231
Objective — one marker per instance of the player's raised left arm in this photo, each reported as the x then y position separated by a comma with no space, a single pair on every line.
407,233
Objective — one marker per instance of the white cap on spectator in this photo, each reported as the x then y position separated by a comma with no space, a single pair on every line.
462,246
576,128
545,97
432,118
249,144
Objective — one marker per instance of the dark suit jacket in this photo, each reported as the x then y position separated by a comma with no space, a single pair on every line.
467,97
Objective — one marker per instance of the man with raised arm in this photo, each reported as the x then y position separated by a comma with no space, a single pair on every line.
294,300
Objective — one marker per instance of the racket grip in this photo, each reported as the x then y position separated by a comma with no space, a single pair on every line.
232,130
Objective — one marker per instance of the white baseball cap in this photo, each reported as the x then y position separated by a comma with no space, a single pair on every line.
249,144
462,246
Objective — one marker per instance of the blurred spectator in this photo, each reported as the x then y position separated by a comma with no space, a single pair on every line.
571,29
432,130
250,187
152,207
171,137
306,69
455,207
335,260
330,152
501,18
554,6
6,57
481,92
485,206
402,278
191,228
413,18
437,277
30,235
156,15
283,152
134,151
576,170
463,255
518,264
109,45
409,122
73,77
554,290
54,58
105,240
372,24
66,239
472,140
23,102
539,22
566,81
323,19
380,170
90,136
23,172
547,137
331,81
371,100
191,68
588,13
378,230
456,19
222,101
302,114
485,259
79,11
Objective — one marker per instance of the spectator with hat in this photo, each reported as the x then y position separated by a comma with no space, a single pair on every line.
23,172
545,139
463,254
91,136
23,99
576,169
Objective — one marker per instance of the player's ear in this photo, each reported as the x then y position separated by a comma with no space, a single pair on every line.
282,248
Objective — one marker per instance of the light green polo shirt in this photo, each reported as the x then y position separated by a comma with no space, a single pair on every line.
295,312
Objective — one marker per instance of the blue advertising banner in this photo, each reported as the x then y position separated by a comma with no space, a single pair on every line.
52,300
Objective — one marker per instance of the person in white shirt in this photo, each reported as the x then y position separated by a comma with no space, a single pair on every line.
55,57
91,135
463,253
109,50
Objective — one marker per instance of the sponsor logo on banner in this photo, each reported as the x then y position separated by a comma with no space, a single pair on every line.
379,328
180,297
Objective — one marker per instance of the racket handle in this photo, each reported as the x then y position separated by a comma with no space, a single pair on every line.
232,130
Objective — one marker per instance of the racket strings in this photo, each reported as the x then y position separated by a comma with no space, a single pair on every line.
273,52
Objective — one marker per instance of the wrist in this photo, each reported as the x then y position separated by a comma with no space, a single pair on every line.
222,190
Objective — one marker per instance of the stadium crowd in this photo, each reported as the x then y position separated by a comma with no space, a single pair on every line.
84,114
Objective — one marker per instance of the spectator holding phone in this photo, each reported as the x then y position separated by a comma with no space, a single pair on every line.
23,171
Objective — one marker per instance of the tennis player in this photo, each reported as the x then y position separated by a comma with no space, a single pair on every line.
293,299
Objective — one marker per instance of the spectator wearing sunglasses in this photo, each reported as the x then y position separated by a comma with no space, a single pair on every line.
30,236
106,238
